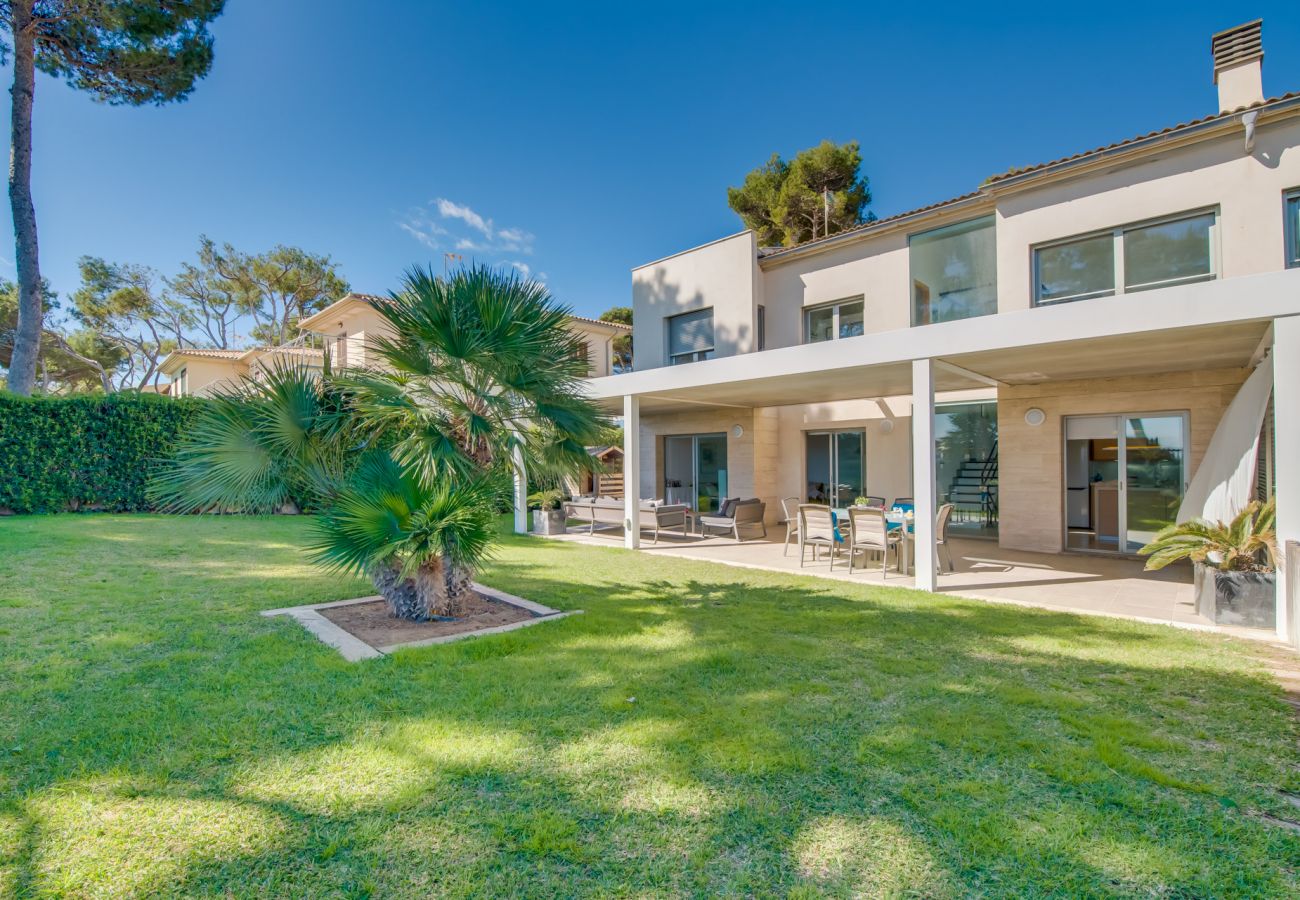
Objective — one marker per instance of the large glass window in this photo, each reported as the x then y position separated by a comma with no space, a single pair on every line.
842,319
954,272
1125,259
1076,270
1168,253
836,466
966,465
1293,229
690,337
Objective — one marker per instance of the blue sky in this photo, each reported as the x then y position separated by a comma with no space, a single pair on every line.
582,140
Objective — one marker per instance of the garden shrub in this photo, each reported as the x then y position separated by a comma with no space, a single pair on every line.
86,452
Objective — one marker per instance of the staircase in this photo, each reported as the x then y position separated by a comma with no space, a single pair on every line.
973,491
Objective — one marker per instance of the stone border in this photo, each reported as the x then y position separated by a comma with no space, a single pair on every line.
354,649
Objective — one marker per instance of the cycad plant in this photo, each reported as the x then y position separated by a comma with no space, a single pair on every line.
479,375
1246,544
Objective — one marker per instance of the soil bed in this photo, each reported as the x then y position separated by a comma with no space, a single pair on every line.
372,623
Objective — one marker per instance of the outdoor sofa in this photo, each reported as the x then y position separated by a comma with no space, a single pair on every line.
736,515
608,512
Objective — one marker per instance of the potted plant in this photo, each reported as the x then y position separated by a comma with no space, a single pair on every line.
861,501
1234,564
548,512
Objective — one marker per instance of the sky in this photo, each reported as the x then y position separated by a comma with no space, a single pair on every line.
574,142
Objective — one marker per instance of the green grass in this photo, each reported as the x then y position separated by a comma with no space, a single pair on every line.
700,731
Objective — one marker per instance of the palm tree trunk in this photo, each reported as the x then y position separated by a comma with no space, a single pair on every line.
27,336
439,589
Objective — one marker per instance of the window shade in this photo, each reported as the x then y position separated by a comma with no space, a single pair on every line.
690,332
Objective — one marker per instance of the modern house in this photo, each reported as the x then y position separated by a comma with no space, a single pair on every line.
341,329
1053,352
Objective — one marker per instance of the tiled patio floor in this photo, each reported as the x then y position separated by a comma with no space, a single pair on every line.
1094,585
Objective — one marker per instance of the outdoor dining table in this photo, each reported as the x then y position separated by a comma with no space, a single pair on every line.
897,520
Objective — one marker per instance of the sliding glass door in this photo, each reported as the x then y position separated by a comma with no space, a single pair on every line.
836,466
1124,479
695,470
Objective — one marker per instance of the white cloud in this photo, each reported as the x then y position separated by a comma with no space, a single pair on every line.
445,225
521,267
449,210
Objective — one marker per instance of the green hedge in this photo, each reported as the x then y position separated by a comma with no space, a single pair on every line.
90,452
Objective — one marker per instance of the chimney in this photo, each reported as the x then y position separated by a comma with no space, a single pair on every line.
1238,65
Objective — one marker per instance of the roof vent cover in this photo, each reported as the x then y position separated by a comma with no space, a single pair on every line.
1242,44
1238,65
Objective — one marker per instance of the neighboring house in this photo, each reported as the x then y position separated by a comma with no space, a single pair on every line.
606,483
342,329
1052,352
200,373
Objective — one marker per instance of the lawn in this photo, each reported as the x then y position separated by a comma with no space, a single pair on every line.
700,730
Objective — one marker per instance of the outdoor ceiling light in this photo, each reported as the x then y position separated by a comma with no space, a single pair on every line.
1035,416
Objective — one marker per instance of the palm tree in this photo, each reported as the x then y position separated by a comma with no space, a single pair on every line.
281,443
407,535
481,374
1246,544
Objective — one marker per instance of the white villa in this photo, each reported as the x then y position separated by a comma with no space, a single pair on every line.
1053,354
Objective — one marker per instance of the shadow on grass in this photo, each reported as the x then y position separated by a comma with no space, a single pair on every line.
700,730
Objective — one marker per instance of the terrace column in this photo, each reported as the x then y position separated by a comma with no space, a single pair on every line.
631,472
1286,467
521,492
924,494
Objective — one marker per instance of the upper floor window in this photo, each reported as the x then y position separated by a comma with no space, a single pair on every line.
1293,229
182,382
690,337
760,325
1135,257
954,272
841,319
582,353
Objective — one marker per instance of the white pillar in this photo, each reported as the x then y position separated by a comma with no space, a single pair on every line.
1286,469
924,494
631,472
521,492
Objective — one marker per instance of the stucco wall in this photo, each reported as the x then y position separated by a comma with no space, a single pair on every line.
205,376
1246,189
721,275
1031,458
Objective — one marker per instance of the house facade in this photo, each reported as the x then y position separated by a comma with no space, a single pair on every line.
1052,353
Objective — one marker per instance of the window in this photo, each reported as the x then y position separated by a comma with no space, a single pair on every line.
842,319
954,272
182,382
760,325
690,337
1168,253
1133,257
1293,229
1076,270
582,353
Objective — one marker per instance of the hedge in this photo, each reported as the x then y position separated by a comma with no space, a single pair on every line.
85,452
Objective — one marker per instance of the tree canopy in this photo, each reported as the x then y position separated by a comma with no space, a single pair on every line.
622,345
818,193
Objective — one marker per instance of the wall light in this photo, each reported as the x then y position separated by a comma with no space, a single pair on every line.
1035,416
737,431
886,426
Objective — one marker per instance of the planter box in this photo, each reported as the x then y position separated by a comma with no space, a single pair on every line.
549,521
1248,599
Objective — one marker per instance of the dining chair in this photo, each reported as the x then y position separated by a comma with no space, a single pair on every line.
870,532
790,507
905,504
816,530
941,534
876,501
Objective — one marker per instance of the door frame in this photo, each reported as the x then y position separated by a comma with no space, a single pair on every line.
834,461
693,497
1121,419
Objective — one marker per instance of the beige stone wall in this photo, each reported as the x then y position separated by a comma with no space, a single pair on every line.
1031,459
740,450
